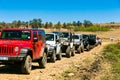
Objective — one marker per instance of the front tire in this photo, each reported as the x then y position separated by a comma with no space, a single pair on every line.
68,52
59,56
88,47
53,57
73,51
26,65
79,49
82,50
42,62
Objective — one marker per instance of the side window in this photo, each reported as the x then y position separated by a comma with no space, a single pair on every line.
39,35
42,35
34,34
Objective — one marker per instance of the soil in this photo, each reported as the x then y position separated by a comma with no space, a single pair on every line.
52,69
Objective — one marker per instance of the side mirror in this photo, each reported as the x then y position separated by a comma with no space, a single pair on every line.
35,39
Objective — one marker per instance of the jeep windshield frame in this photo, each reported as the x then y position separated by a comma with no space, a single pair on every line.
16,34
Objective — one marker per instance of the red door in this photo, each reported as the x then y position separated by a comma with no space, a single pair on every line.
36,45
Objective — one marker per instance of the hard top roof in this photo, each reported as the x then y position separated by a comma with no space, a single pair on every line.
21,29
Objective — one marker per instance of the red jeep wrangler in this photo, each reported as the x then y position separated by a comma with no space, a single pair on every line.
22,46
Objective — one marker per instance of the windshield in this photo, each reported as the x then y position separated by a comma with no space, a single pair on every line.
75,37
49,37
15,34
65,35
85,36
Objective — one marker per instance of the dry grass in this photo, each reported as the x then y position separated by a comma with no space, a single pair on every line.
104,35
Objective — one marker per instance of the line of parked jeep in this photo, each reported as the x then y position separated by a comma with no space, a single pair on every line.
24,46
69,43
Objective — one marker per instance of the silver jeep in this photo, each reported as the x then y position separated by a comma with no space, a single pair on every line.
78,43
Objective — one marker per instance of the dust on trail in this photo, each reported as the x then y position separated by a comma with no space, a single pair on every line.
51,70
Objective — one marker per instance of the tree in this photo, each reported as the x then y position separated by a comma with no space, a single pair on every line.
87,23
2,24
46,25
40,22
58,25
50,24
79,23
64,25
74,23
36,23
18,23
69,26
14,24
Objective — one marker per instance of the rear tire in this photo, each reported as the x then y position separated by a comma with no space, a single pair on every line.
26,65
42,62
68,52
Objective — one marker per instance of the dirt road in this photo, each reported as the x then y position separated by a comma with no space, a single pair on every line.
51,70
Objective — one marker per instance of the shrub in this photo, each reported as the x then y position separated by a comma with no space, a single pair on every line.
92,28
111,53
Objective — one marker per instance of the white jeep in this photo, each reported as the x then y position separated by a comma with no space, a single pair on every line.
53,46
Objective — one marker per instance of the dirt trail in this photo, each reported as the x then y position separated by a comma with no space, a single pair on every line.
52,69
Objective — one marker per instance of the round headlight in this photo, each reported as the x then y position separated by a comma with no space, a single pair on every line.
16,49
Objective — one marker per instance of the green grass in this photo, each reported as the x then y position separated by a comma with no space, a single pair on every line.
92,29
111,55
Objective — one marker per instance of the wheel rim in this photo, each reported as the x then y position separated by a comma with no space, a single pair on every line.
44,59
29,64
70,53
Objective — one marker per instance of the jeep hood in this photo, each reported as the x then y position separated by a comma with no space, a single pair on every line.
76,40
19,43
52,43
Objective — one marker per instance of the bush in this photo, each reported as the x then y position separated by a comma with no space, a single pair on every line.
92,28
111,53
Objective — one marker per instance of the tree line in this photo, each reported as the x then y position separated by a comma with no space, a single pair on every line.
37,23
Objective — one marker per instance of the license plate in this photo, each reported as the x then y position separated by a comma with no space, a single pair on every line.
3,58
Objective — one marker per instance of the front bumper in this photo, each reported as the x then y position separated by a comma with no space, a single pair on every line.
50,51
12,58
76,46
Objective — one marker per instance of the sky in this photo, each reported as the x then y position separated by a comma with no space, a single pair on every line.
97,11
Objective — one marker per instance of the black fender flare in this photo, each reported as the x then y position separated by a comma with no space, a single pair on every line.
26,51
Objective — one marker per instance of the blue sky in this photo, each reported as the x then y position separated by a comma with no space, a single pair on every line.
97,11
